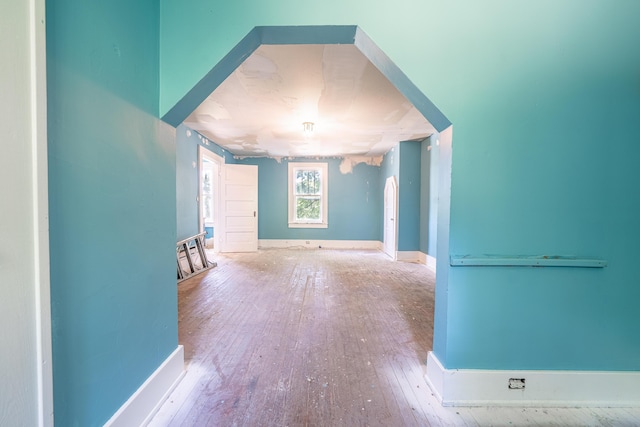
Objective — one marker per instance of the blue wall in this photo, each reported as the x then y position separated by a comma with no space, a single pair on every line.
355,198
544,100
430,151
390,164
429,195
112,206
187,142
355,202
409,229
425,170
404,161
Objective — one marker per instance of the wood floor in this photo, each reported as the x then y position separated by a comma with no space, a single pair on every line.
322,338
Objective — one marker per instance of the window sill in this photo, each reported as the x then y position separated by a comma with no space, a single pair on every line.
307,225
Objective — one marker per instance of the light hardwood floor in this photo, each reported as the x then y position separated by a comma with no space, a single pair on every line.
288,337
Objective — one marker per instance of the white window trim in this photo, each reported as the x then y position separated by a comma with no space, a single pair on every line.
324,170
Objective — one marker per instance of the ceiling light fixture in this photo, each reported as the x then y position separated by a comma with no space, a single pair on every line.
307,127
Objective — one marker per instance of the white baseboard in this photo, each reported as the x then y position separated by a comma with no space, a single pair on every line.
427,260
145,402
404,256
408,256
477,387
315,244
431,263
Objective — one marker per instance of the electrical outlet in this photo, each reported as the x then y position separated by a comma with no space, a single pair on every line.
516,383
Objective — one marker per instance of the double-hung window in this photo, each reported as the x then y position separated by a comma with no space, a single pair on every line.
308,195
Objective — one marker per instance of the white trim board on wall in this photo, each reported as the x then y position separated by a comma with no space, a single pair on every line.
417,256
478,387
40,186
427,260
147,400
409,256
316,244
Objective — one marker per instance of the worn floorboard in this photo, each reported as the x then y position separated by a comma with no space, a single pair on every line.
322,338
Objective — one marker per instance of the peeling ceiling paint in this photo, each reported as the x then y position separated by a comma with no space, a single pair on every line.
259,109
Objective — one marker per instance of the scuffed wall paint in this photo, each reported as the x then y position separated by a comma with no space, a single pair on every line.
347,164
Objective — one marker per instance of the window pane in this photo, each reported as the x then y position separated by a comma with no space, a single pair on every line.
308,208
307,182
307,201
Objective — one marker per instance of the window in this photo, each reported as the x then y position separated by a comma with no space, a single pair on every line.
308,195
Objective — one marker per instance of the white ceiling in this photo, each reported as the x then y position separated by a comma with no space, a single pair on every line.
259,109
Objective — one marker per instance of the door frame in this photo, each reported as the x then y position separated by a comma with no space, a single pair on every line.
391,184
203,154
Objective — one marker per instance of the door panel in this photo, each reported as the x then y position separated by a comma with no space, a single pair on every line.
240,208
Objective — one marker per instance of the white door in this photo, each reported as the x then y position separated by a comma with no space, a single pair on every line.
390,242
240,208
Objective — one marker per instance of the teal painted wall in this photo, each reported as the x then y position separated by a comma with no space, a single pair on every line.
429,195
404,161
544,99
187,142
409,196
355,202
112,206
390,165
430,150
186,184
425,170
